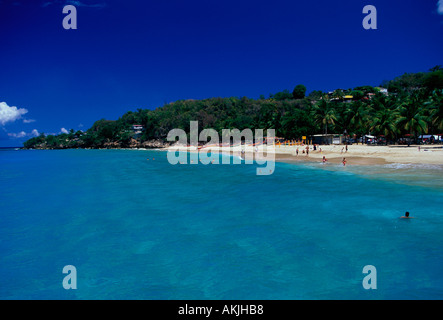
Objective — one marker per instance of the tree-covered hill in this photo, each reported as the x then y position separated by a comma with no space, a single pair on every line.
412,106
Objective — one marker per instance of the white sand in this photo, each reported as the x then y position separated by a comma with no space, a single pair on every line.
356,154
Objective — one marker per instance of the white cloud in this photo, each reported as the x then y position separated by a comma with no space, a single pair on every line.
82,4
10,114
440,7
75,3
21,134
28,120
63,130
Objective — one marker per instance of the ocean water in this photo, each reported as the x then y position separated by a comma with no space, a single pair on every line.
145,229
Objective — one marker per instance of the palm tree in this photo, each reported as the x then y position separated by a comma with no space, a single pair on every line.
383,123
435,104
380,102
436,68
383,115
324,114
411,116
358,114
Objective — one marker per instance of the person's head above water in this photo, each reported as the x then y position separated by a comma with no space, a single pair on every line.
406,216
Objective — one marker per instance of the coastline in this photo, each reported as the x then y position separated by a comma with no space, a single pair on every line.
364,155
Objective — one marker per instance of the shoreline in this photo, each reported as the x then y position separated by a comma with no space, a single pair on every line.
356,155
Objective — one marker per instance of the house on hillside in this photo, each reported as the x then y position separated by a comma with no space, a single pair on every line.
348,98
383,90
137,129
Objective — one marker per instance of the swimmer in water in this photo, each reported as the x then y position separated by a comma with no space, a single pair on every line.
406,216
324,160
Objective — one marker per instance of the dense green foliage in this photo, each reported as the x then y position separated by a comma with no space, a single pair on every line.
413,106
299,92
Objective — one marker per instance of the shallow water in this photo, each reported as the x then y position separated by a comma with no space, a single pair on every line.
139,229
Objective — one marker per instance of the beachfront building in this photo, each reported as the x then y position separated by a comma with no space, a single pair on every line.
431,138
328,138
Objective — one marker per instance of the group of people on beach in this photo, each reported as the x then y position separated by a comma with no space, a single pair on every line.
324,160
303,151
343,161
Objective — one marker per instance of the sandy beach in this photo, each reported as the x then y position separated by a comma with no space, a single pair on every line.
355,155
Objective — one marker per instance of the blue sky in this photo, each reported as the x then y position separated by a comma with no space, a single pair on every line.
128,54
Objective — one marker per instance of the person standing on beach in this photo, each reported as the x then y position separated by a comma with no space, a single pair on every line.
344,162
324,160
296,152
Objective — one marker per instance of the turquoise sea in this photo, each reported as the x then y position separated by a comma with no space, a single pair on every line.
139,229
